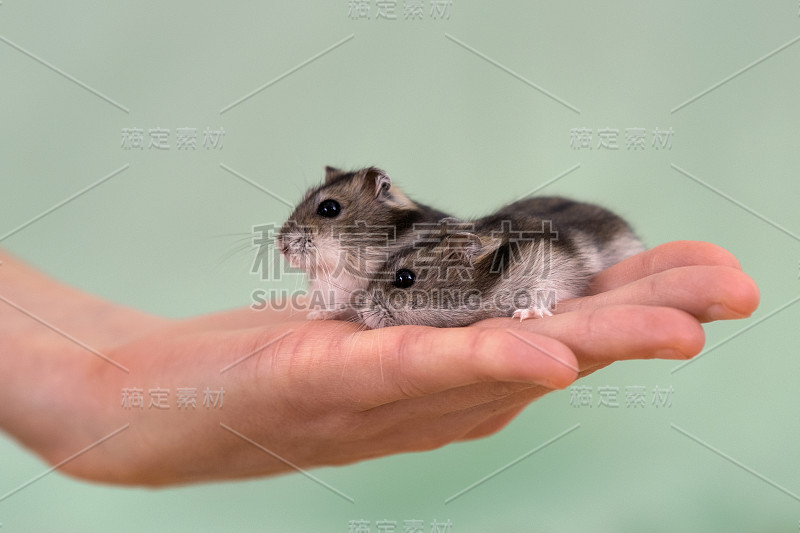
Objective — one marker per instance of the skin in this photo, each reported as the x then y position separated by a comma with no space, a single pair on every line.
326,393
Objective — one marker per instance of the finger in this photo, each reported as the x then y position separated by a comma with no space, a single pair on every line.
607,334
390,432
466,424
494,423
512,406
663,257
390,364
597,338
403,427
418,362
481,400
482,394
707,292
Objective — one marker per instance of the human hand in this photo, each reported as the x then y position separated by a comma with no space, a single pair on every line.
648,306
300,394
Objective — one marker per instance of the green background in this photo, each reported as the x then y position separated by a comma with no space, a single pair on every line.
457,111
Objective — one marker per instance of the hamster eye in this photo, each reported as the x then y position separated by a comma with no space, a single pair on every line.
329,209
404,278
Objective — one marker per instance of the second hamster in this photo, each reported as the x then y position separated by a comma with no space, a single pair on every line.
519,261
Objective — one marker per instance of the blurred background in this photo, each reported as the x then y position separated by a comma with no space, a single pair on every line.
191,122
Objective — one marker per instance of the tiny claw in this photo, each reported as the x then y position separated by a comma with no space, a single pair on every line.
534,312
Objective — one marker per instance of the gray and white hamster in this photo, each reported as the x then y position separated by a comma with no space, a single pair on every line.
519,261
344,230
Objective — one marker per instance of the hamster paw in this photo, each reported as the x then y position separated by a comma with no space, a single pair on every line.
533,312
321,315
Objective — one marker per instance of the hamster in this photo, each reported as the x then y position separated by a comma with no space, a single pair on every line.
517,262
344,230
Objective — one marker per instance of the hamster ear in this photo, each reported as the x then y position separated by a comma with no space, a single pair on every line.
377,181
463,247
331,173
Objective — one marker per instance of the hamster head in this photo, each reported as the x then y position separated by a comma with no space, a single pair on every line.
344,227
441,284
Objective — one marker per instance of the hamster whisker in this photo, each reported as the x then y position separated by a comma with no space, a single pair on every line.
238,248
329,281
375,313
241,234
347,322
242,243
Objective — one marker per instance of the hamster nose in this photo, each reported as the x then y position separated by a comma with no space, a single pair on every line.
283,242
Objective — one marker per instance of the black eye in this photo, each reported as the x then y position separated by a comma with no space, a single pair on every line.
329,209
404,278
